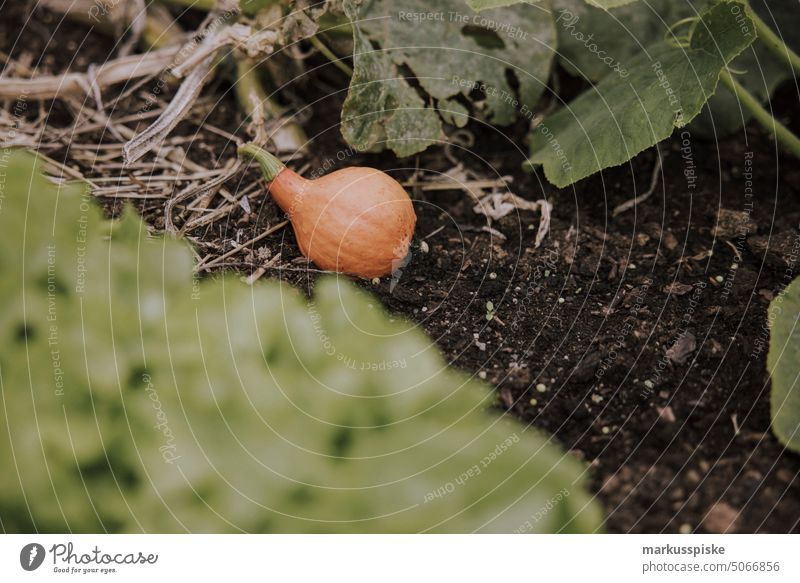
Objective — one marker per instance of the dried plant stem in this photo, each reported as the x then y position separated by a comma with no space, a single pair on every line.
234,251
265,113
78,84
174,112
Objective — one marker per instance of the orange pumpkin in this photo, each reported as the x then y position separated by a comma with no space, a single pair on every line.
356,220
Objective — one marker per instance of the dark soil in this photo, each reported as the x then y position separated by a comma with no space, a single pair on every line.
583,327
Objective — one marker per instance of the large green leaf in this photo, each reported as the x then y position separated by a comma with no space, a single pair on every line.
783,363
757,70
382,110
666,87
594,42
479,5
453,53
609,4
134,398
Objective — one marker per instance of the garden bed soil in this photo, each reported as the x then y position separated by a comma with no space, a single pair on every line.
638,341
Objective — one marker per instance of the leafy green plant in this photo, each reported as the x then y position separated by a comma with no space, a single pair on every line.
665,88
420,70
784,354
136,398
473,54
654,66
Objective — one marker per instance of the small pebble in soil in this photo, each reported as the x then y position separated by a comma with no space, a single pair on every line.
597,399
424,247
533,402
376,280
493,275
649,384
541,387
561,300
605,429
719,279
685,528
482,374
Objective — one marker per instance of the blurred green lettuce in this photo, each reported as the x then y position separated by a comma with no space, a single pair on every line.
135,398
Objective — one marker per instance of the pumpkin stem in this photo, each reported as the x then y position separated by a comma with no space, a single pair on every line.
270,165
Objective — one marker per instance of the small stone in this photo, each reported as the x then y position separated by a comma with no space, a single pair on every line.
732,224
721,518
533,402
424,247
586,368
561,300
679,352
685,528
677,288
541,387
767,294
493,275
596,399
482,374
719,279
605,429
376,280
649,384
666,414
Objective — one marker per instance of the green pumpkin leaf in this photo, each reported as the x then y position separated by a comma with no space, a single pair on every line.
609,4
478,5
452,52
784,354
381,109
594,42
665,88
756,69
138,399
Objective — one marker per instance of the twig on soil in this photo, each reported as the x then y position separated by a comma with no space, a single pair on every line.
78,85
426,186
498,205
179,106
195,190
204,265
629,204
258,273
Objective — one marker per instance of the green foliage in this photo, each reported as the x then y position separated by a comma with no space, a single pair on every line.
594,42
382,110
784,354
479,5
666,87
757,69
608,4
454,54
134,398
